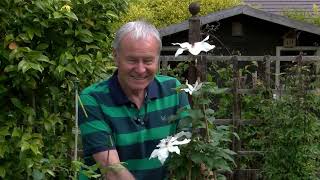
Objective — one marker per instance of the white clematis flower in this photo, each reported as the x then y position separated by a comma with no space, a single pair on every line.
170,144
194,49
193,88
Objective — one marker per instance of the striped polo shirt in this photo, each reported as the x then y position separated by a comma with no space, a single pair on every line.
112,121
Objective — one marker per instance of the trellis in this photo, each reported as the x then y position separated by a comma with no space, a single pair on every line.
237,91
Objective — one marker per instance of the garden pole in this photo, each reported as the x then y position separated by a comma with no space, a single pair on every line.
236,114
194,36
76,133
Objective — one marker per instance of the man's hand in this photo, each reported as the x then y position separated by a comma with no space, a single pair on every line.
110,157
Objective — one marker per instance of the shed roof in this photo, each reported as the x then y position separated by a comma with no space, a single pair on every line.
246,10
279,6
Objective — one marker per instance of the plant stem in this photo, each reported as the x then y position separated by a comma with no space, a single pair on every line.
206,121
190,170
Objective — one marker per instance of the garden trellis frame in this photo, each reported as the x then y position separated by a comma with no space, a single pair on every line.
237,91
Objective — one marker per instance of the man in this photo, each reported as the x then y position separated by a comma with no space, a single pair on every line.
125,117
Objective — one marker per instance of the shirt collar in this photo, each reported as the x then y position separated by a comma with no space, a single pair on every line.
120,97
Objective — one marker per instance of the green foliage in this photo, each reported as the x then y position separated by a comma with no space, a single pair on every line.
313,18
45,45
163,12
292,130
207,155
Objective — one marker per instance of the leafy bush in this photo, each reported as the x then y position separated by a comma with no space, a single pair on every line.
163,12
313,18
292,129
46,44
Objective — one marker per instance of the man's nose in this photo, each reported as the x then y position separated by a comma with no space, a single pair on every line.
140,67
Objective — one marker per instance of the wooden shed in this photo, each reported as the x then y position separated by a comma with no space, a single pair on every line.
246,31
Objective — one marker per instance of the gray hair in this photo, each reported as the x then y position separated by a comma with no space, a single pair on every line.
137,30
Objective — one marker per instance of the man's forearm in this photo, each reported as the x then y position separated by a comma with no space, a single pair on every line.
119,174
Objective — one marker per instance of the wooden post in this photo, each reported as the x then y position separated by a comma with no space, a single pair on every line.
236,109
267,74
194,36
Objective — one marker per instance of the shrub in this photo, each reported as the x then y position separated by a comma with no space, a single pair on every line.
46,45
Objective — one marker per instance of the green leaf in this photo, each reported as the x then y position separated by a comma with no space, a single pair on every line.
112,15
82,58
69,31
25,146
85,32
30,33
86,39
42,46
24,37
72,15
16,102
50,172
10,68
4,131
2,171
44,58
60,69
70,69
91,47
57,15
37,67
16,132
34,148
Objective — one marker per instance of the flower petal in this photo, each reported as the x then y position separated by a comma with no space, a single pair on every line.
185,141
179,51
163,154
205,39
196,49
154,153
187,91
174,149
182,133
184,45
206,46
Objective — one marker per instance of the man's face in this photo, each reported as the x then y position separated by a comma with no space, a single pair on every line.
137,62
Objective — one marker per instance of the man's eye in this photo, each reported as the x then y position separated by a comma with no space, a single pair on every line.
148,61
131,61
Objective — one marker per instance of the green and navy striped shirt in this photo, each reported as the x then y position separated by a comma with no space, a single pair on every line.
114,122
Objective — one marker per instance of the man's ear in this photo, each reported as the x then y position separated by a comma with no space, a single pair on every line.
114,54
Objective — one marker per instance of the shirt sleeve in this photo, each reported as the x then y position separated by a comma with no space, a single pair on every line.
96,134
